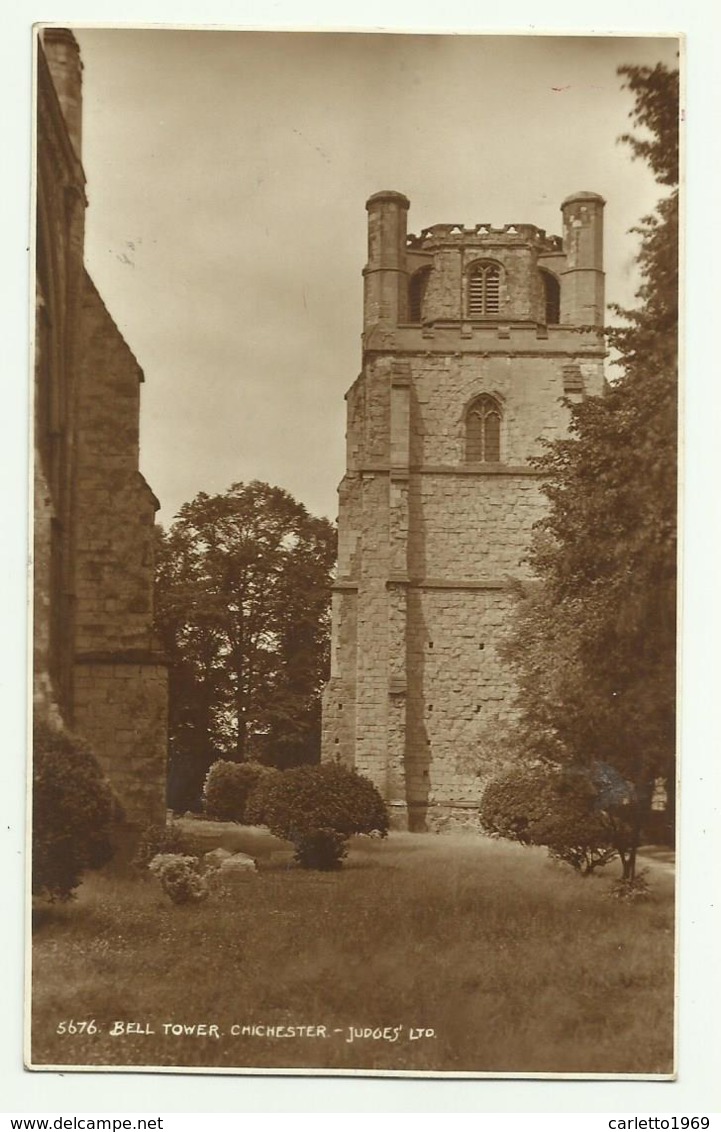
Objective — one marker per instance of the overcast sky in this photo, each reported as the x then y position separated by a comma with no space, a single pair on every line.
226,231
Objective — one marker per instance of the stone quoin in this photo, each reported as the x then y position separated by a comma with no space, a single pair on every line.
472,338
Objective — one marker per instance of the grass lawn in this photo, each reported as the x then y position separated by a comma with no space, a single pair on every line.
515,964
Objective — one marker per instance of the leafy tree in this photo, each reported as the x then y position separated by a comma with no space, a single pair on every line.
594,644
243,591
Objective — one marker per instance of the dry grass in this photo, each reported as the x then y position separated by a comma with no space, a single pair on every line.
517,964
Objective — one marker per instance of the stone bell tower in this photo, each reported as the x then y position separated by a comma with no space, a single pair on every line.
471,339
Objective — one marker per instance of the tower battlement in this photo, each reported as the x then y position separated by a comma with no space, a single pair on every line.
511,273
484,233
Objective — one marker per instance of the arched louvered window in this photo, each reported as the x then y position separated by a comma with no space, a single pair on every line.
551,298
417,285
484,290
483,431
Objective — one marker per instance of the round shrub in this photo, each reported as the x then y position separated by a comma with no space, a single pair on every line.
560,809
322,797
180,877
514,802
228,786
308,803
72,812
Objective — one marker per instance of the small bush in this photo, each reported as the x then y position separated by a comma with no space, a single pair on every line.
180,877
631,890
157,840
307,804
514,802
322,849
72,812
228,787
560,809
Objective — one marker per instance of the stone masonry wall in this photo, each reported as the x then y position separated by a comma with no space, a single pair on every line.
339,694
521,293
369,416
460,694
121,709
529,389
116,509
120,689
420,699
97,670
471,527
60,214
371,722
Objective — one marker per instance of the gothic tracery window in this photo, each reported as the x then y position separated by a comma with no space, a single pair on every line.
484,290
483,431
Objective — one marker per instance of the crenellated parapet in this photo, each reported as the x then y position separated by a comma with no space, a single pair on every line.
513,234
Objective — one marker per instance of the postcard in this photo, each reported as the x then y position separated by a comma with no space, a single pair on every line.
354,627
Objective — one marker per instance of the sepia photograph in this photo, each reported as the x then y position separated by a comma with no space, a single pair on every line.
354,624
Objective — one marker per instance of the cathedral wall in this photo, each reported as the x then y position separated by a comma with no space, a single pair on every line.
121,710
120,682
60,207
45,701
115,508
96,668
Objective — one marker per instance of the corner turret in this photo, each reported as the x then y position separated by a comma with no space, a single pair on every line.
385,275
582,292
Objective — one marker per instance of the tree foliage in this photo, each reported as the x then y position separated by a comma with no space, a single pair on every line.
243,594
594,644
72,812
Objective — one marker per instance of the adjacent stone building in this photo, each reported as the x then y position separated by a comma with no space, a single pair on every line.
96,665
471,339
